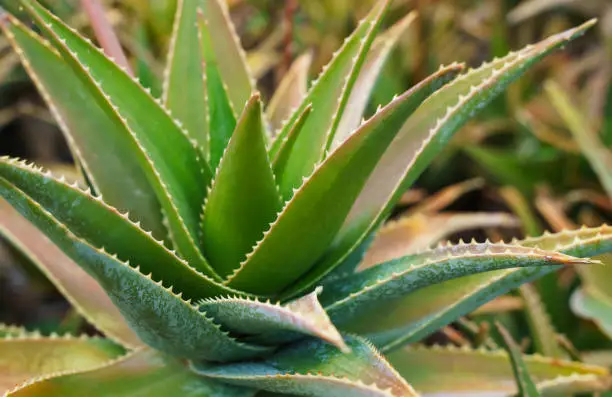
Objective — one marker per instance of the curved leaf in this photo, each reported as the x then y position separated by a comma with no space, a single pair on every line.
159,317
83,214
329,193
183,96
368,296
142,374
272,323
172,164
314,368
594,306
78,287
101,145
23,358
243,199
455,372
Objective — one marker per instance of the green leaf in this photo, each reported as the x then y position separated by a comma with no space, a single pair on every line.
428,309
526,386
456,372
595,306
329,193
82,214
141,374
425,134
29,356
314,368
282,156
272,323
228,52
183,96
78,287
328,96
367,296
290,92
222,116
7,330
160,318
598,155
361,91
100,143
174,167
243,200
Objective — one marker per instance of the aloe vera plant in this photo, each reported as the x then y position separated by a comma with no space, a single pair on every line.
218,256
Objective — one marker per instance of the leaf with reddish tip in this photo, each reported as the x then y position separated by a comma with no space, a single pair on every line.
290,92
160,317
243,199
78,287
361,91
100,143
315,368
362,302
174,167
455,372
82,214
184,82
140,374
268,323
328,96
26,357
228,53
525,385
329,193
426,132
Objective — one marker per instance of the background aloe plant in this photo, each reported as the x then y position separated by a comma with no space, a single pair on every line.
222,256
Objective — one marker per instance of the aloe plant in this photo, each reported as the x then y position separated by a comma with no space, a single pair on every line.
217,256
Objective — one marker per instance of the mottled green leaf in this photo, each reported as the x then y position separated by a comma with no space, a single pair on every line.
328,96
314,368
525,385
184,82
141,374
82,214
101,144
26,357
243,200
160,318
461,372
78,287
329,193
173,165
366,297
269,323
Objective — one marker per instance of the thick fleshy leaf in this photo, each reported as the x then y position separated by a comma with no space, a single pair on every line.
328,96
183,96
428,309
228,52
221,114
282,155
598,155
367,297
410,234
103,148
314,368
173,165
361,91
7,330
82,214
270,323
525,385
78,287
243,199
159,317
290,92
461,372
141,374
329,193
425,134
540,324
26,357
